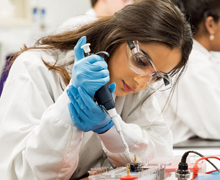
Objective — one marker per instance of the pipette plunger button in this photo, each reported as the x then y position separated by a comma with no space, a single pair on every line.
86,48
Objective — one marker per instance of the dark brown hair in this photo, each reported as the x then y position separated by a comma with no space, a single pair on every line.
198,10
145,21
93,2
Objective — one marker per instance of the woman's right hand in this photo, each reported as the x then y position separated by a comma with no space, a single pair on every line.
89,72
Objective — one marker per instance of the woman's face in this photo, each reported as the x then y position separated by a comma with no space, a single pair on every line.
127,81
215,44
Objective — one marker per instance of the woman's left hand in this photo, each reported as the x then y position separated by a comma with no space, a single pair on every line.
89,72
85,113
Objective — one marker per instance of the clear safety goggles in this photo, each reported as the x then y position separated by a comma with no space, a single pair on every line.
141,63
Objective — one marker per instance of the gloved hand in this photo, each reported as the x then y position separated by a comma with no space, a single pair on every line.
90,72
85,113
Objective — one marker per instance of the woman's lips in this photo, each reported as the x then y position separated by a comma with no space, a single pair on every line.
126,87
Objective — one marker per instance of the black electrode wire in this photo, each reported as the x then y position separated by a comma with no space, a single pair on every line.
183,160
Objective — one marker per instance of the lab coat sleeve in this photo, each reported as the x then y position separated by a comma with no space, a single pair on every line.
145,132
36,138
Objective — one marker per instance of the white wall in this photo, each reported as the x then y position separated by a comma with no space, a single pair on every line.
57,11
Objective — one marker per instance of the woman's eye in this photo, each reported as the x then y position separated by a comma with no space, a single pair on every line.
140,63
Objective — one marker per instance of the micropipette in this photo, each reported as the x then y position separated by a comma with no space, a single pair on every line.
104,98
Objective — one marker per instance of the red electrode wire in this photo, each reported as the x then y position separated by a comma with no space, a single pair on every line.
196,169
209,172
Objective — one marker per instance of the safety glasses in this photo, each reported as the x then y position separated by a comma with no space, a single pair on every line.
141,63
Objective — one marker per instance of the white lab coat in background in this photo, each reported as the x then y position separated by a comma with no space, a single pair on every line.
195,106
216,59
78,21
39,141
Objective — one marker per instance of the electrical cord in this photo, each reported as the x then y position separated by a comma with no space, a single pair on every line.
196,169
183,160
209,172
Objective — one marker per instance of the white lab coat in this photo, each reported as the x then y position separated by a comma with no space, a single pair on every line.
78,21
194,108
39,141
216,60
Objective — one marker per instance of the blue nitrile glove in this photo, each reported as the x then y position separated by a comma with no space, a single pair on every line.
112,88
90,72
85,113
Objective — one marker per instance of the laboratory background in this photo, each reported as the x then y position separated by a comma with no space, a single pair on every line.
23,22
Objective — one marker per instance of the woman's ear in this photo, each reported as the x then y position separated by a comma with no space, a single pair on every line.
211,27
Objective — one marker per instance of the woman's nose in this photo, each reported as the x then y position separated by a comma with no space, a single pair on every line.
141,81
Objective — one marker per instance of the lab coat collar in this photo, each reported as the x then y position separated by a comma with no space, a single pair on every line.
90,12
199,47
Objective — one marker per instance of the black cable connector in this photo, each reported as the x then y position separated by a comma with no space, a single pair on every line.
182,172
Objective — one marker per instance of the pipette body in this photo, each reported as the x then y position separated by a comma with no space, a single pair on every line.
105,100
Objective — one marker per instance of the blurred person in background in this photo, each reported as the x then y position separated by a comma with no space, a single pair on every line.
100,8
194,109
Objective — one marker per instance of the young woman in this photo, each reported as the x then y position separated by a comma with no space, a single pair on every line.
198,91
41,138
